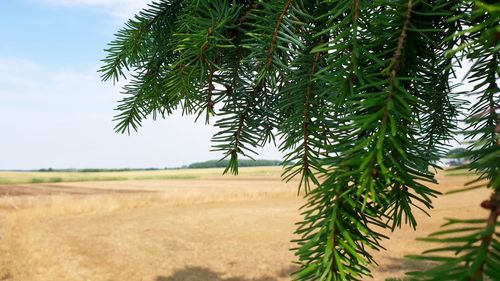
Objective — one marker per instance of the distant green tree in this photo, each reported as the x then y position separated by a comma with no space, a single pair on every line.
456,152
457,156
359,96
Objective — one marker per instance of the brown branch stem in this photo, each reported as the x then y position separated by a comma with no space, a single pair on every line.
276,31
396,59
493,204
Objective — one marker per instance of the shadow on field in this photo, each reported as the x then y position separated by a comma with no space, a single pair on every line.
195,273
401,264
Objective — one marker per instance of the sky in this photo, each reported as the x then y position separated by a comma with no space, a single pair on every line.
54,110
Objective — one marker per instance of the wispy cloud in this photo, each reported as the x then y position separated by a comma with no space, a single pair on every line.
62,117
56,112
121,9
29,85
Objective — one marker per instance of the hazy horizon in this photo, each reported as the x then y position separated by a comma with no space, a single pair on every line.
49,169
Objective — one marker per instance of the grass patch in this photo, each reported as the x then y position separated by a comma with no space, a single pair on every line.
19,177
37,180
45,180
78,177
101,179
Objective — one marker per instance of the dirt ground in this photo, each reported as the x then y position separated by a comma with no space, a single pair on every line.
217,229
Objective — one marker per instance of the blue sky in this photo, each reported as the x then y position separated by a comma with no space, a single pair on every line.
55,111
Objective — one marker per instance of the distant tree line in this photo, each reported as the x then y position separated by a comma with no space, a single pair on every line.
197,165
97,170
242,163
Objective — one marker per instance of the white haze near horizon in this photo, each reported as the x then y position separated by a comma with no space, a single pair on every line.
56,113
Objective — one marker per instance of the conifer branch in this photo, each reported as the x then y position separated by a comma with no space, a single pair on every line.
307,173
493,205
396,60
359,94
274,39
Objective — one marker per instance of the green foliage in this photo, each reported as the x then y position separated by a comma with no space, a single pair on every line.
356,93
456,152
37,180
42,180
470,251
482,48
472,247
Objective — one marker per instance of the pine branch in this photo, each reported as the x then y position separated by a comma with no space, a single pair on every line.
131,44
200,41
272,41
307,121
474,250
494,206
240,130
471,252
300,106
483,119
277,28
358,92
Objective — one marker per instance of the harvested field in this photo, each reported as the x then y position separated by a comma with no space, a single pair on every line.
53,189
208,228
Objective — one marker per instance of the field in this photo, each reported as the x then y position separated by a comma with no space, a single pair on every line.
50,177
182,225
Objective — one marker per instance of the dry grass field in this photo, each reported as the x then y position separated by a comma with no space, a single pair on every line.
186,225
50,177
